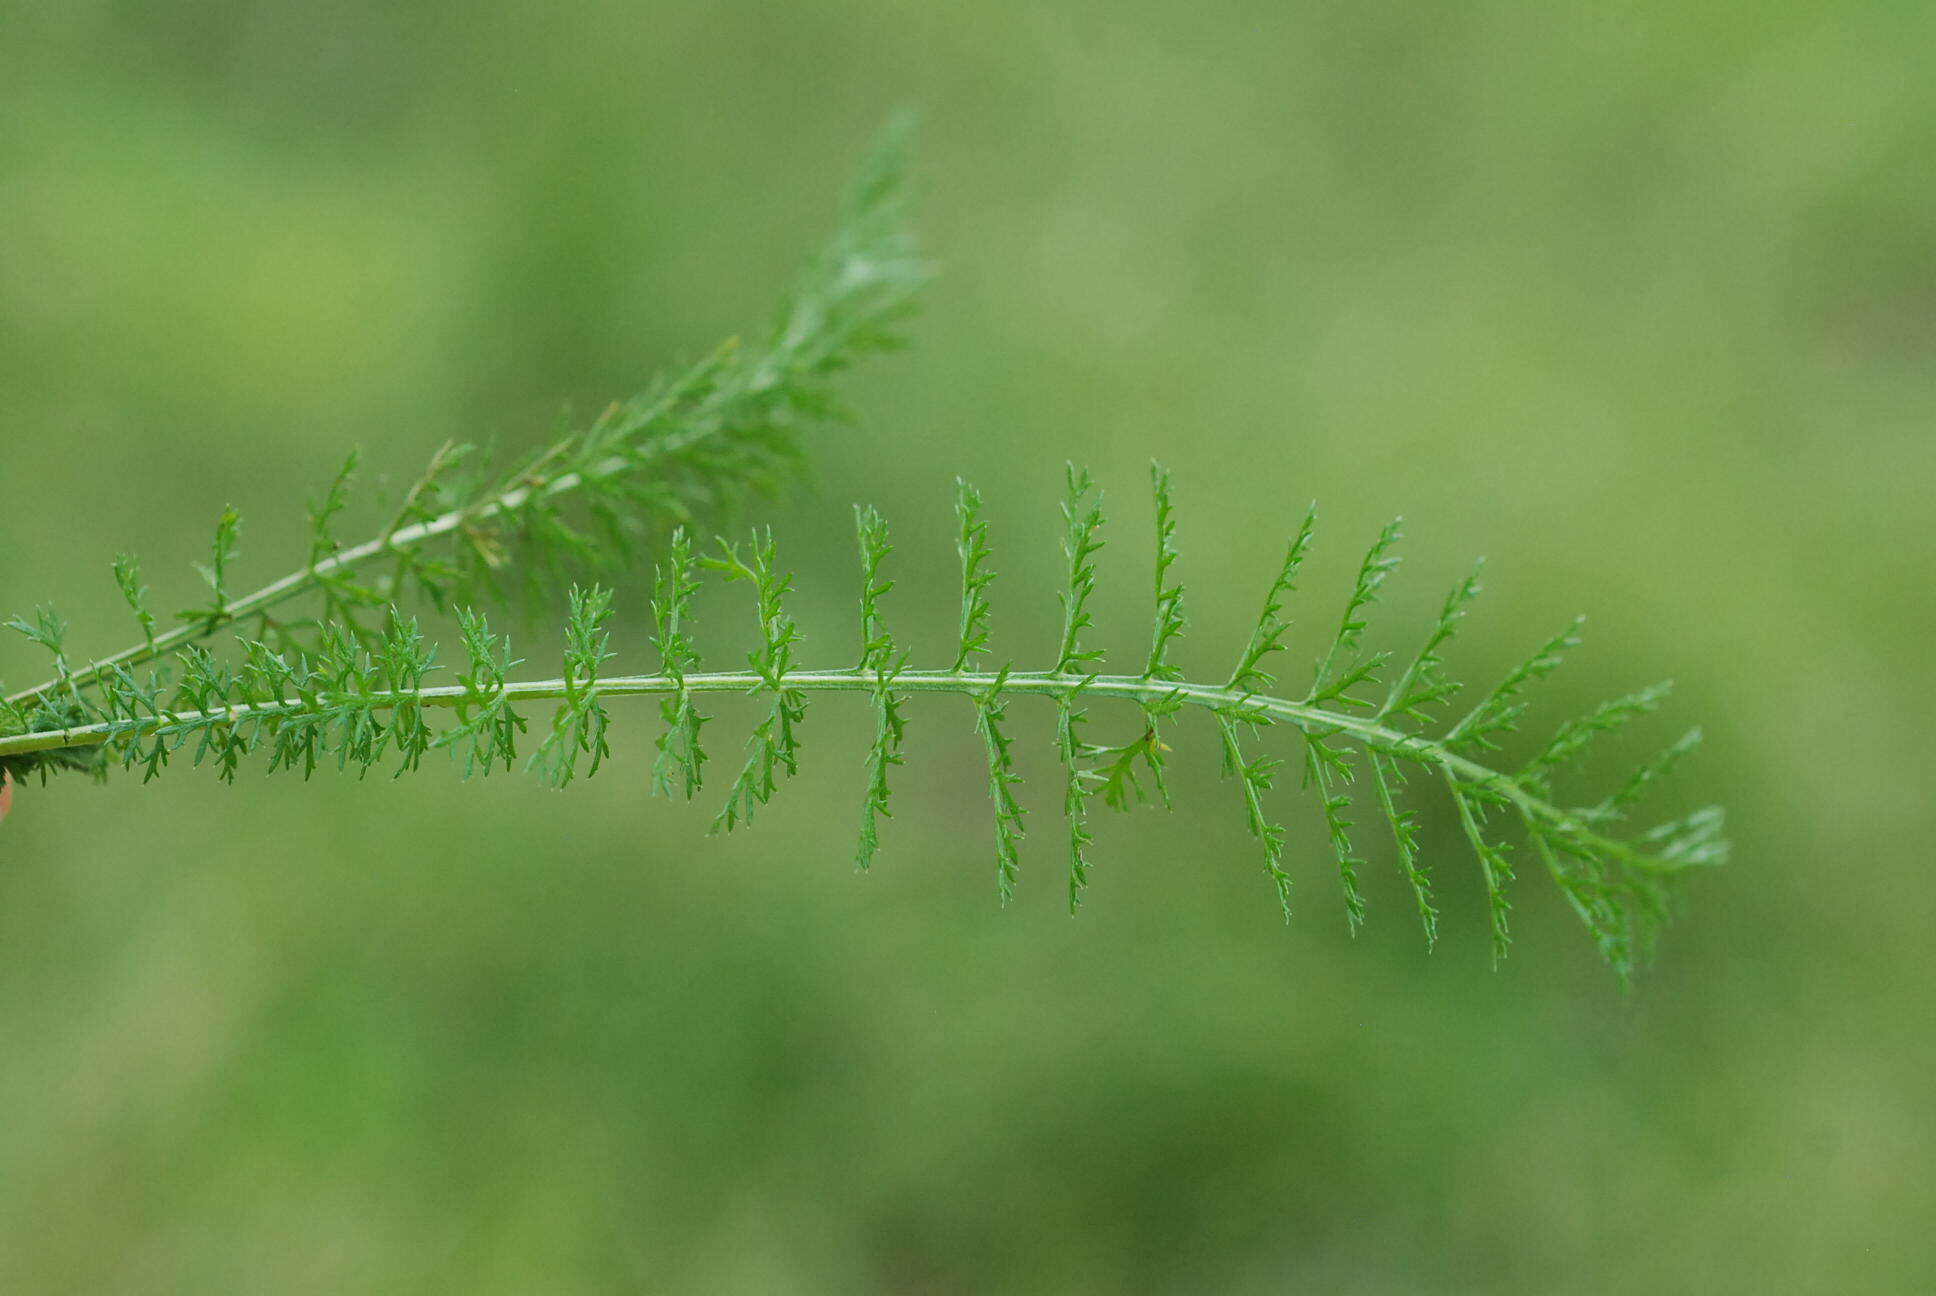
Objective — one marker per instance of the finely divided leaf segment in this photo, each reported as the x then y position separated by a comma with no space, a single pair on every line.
357,684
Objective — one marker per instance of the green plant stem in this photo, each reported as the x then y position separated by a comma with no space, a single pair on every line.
401,539
1305,716
858,286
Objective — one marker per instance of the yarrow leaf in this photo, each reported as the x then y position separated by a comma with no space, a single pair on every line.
353,680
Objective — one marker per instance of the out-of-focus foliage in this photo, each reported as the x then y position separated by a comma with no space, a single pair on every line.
1636,301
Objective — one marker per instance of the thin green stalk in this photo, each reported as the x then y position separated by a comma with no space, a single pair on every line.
1307,717
730,420
300,582
361,699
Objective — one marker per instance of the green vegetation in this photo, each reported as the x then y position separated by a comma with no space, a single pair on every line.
351,686
1634,303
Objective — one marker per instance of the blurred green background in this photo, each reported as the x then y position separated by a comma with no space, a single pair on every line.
1638,300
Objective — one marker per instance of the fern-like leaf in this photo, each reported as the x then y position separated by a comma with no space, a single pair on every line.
681,760
358,697
879,657
1268,637
689,445
774,747
991,713
1334,681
